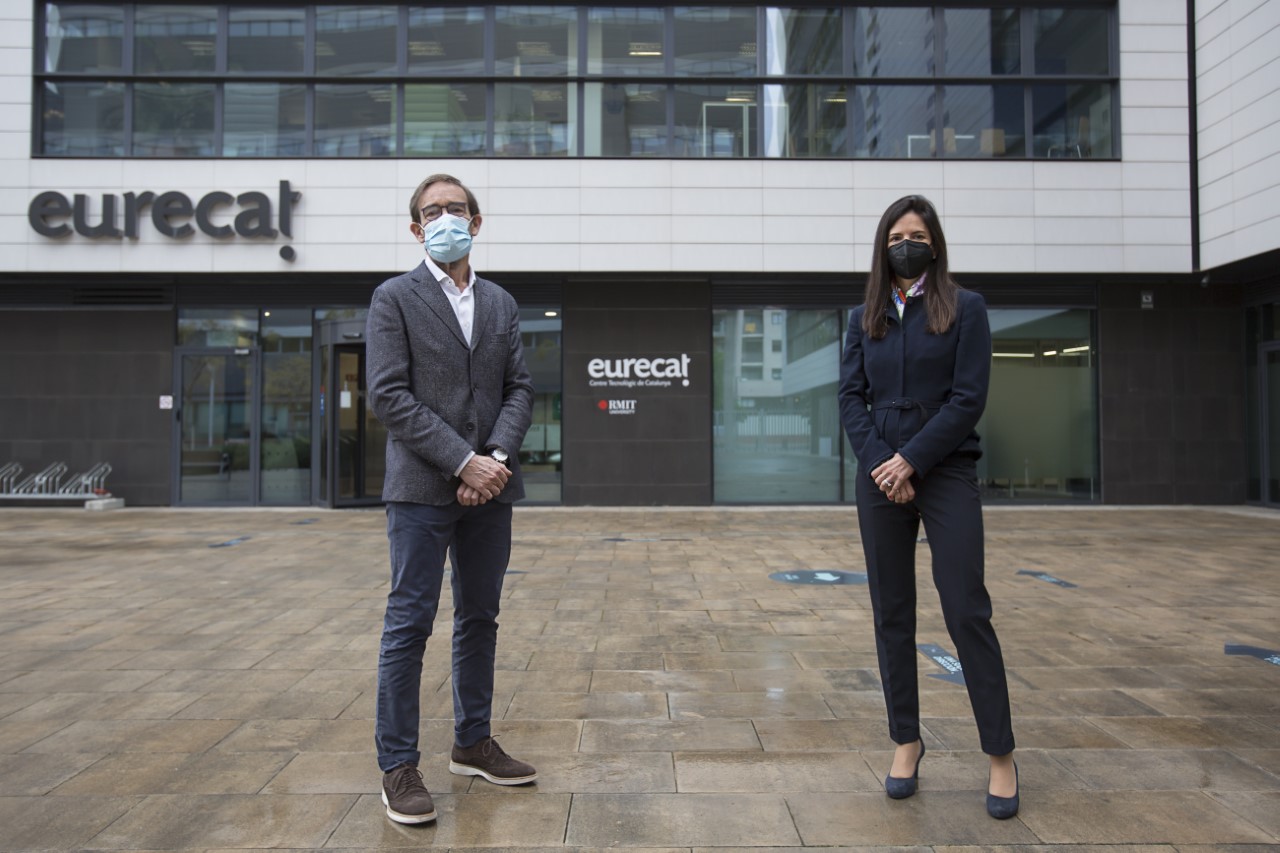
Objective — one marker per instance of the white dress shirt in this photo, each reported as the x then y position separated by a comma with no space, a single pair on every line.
464,308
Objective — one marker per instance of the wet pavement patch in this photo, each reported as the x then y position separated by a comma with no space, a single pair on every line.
1270,656
825,577
230,542
1047,578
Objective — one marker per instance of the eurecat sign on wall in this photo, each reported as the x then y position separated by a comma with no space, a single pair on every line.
172,214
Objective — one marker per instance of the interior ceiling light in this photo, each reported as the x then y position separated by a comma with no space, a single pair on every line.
426,48
644,48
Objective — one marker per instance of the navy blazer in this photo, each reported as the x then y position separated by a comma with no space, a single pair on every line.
915,393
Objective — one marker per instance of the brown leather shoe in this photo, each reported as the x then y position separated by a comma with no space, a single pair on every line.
405,797
487,759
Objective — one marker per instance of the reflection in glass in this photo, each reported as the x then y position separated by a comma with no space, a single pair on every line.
267,39
285,429
169,39
217,327
445,119
626,120
356,39
1252,408
355,120
83,37
1072,121
264,120
361,464
82,119
1039,434
715,40
1072,41
891,42
805,120
446,41
983,121
173,119
540,455
978,42
893,121
217,402
534,41
534,119
625,41
1272,439
716,121
776,433
804,41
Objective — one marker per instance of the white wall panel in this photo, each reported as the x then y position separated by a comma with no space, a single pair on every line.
1238,106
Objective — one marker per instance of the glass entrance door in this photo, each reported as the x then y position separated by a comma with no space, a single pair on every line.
1271,424
360,448
217,435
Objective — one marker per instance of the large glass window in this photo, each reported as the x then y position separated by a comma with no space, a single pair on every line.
625,41
626,120
355,120
716,121
894,121
446,41
356,39
534,41
175,39
1039,433
863,81
264,120
715,41
983,121
805,41
892,42
83,37
173,119
1072,121
540,455
285,428
978,42
534,119
265,40
83,119
776,433
444,119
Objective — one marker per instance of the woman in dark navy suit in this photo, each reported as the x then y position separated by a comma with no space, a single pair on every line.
913,383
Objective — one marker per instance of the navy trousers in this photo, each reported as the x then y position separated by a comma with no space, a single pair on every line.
949,502
478,541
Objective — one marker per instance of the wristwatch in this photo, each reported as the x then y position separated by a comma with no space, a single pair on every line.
499,455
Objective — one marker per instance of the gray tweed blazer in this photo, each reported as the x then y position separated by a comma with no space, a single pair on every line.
438,398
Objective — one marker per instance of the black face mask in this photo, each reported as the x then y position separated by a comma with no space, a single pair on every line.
910,258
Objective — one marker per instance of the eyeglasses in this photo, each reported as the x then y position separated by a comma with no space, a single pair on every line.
432,212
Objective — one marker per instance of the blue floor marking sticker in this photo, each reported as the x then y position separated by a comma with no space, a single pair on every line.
944,659
1265,655
1047,578
230,542
307,521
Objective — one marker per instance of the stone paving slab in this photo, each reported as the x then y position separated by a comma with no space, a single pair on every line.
157,693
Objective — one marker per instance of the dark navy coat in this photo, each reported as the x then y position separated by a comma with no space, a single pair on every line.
915,393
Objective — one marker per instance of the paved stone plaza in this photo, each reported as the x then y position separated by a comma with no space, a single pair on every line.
159,693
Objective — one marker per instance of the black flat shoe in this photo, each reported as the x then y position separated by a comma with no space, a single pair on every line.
900,789
1003,808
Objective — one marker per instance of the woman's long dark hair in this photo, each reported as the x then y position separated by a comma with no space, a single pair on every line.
940,288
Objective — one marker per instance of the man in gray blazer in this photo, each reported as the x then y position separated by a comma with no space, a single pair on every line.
448,380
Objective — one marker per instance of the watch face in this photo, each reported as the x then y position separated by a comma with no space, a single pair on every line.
500,455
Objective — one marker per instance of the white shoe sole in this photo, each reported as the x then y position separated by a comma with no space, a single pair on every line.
467,770
406,818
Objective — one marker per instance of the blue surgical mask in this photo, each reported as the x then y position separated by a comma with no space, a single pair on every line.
447,238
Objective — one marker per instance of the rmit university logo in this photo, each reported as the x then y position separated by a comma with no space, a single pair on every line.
617,407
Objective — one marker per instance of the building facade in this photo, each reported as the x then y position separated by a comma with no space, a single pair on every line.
199,199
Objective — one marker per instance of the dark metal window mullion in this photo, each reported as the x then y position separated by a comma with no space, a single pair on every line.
580,85
669,69
762,69
1026,59
491,87
127,66
399,95
222,46
939,86
308,71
